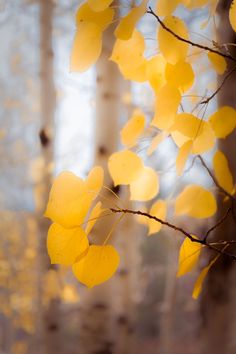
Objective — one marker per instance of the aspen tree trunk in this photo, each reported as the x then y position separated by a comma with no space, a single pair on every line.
219,302
105,310
50,337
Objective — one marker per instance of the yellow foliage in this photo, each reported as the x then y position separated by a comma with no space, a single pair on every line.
66,245
127,24
155,72
102,19
188,256
94,215
129,57
155,142
182,157
167,102
124,167
180,75
173,49
195,201
232,15
218,62
222,172
159,210
99,264
145,186
84,54
100,5
133,129
166,8
223,121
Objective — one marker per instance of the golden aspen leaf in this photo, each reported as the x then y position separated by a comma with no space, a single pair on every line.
86,15
166,106
190,127
218,62
166,8
195,201
188,256
180,75
155,72
222,172
145,186
223,121
159,210
99,5
232,15
129,57
69,200
127,24
133,129
191,4
155,142
94,215
87,46
124,167
198,284
98,265
172,48
94,181
66,245
182,157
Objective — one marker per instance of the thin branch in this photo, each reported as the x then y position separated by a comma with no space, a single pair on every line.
179,229
207,100
206,48
214,179
224,217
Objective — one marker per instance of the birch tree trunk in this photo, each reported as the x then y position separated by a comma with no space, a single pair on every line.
49,334
105,325
219,302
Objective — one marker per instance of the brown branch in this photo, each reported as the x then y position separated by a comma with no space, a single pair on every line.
227,56
207,100
214,179
224,217
179,229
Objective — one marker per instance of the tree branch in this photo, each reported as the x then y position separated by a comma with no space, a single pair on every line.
227,56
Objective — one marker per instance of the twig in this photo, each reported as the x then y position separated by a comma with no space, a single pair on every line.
177,228
224,217
206,48
207,100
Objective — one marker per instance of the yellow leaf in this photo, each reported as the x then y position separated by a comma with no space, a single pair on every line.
191,4
222,172
167,102
65,245
232,15
86,15
155,142
190,127
223,121
172,48
99,5
94,181
129,57
84,54
155,72
133,129
159,210
182,157
188,256
127,24
175,77
69,200
166,8
195,201
218,62
98,265
198,285
124,167
94,215
145,186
